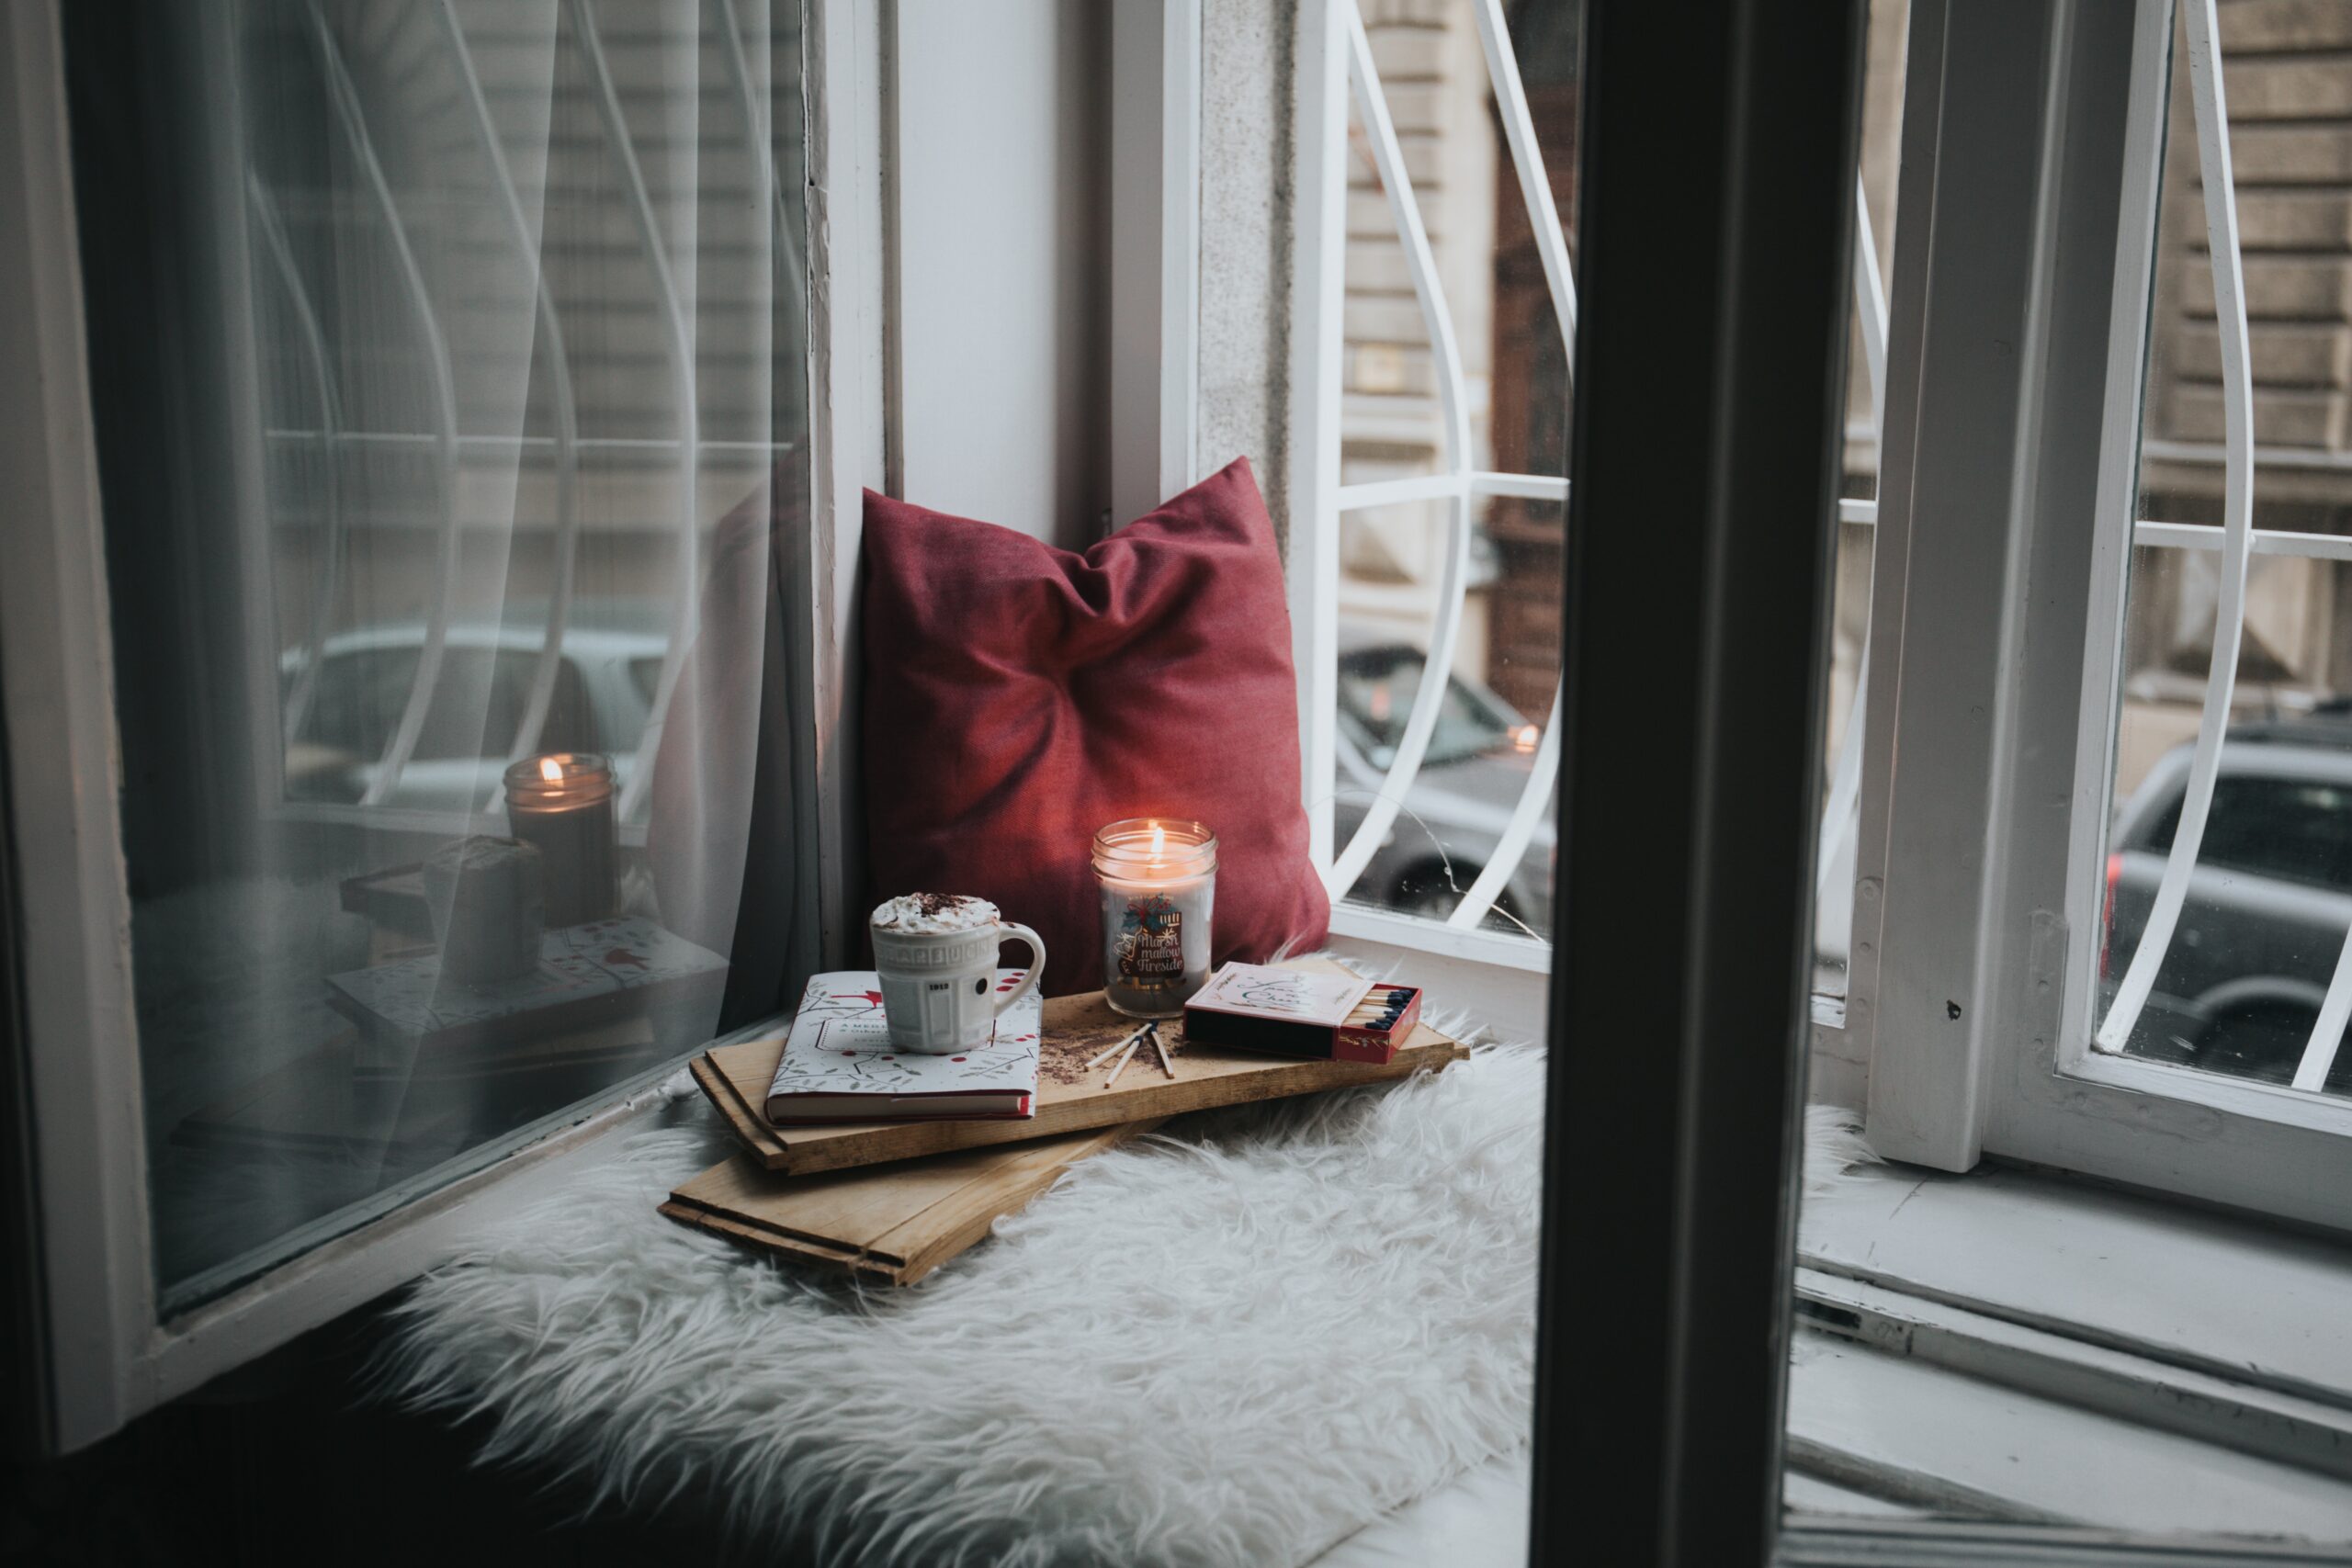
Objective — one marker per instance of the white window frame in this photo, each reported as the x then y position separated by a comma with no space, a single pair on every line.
108,1356
1336,62
2022,279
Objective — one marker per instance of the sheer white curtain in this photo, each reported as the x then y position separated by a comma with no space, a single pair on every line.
499,320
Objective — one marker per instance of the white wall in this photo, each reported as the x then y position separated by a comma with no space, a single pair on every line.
1002,361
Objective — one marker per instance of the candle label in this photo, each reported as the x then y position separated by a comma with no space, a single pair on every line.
1151,941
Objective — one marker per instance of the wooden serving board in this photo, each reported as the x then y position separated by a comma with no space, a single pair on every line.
887,1227
1070,1098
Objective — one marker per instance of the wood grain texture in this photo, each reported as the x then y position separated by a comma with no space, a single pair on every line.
886,1227
736,1078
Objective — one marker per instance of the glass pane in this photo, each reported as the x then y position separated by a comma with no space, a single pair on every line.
2240,984
1456,810
1849,628
429,392
2013,1344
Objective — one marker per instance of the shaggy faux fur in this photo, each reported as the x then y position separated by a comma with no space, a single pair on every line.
1236,1345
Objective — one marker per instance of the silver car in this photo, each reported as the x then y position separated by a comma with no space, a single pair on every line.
604,691
2269,903
1480,757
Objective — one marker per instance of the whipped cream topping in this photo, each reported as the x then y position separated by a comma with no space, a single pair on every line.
933,912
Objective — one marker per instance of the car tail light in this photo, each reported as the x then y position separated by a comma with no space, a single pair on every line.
2107,919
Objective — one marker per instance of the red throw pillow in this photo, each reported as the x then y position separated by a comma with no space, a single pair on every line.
1018,696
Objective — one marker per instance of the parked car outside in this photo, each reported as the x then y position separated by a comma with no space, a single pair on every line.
2269,903
1480,757
604,692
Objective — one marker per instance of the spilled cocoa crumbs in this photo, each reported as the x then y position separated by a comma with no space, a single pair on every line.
1064,1061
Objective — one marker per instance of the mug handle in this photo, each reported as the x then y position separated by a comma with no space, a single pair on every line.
1009,930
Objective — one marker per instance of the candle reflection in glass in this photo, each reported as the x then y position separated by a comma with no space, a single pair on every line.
562,805
1159,883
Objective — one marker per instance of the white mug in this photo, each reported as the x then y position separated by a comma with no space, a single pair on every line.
939,990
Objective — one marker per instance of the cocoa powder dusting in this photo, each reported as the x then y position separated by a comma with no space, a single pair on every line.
1063,1061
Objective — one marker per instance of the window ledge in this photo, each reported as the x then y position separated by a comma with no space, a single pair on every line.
2019,1345
1507,997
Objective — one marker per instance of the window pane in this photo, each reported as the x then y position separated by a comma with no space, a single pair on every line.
426,386
1455,812
2263,916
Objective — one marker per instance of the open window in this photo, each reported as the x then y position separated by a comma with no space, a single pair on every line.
2099,847
420,402
1433,317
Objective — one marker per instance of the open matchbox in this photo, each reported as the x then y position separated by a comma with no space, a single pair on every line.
1290,1012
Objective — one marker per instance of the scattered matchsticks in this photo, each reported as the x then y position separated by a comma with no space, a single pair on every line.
1115,1047
1125,1048
1134,1043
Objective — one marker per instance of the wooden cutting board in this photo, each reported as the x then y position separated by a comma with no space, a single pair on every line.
886,1227
1070,1097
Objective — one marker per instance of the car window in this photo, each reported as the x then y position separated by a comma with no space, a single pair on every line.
479,700
2295,829
357,704
1377,691
645,674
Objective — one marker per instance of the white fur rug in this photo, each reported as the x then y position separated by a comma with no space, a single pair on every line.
1234,1346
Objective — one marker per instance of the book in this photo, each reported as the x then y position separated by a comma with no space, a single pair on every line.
586,975
886,1227
838,1064
1249,1006
1071,1096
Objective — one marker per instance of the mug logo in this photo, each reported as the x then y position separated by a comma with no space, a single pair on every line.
1151,941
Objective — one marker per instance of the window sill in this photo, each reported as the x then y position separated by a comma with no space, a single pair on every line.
1476,945
2011,1344
1509,997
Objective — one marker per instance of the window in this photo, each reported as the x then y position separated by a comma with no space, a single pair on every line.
474,719
2118,947
1439,306
420,389
1427,553
519,336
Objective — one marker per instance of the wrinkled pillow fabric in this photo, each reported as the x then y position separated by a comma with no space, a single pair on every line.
1018,696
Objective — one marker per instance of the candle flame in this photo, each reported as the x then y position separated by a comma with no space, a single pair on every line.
550,770
1158,843
1526,737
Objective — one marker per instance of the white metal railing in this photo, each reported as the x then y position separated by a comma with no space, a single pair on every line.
1454,484
681,349
449,446
352,120
322,378
1841,812
567,411
2235,538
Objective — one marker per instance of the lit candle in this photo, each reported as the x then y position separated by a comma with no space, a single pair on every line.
562,805
1158,882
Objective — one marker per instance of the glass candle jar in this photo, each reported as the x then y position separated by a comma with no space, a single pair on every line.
562,805
1158,882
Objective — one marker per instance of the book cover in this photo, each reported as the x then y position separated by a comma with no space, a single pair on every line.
585,973
1282,996
840,1066
1251,1008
